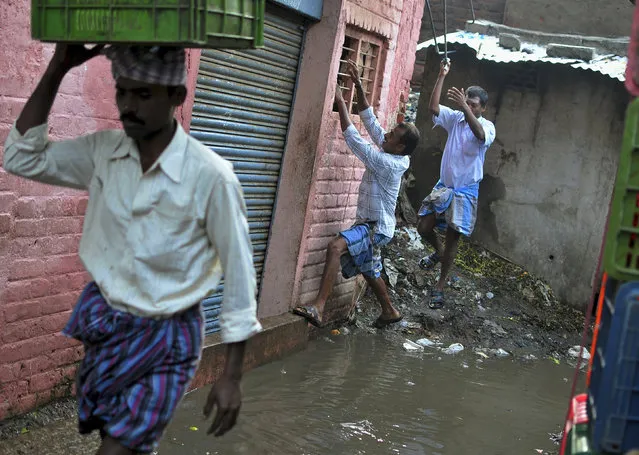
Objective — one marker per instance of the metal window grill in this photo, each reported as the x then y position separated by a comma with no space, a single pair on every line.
366,51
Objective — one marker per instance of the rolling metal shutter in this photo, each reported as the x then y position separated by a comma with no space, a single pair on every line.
243,101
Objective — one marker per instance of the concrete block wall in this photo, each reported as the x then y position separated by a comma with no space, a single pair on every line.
333,196
458,12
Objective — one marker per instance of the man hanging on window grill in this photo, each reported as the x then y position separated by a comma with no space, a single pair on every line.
358,248
454,198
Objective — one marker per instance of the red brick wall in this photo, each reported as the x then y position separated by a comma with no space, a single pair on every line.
333,197
331,209
41,274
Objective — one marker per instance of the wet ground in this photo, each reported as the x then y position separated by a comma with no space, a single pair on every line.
357,390
363,394
491,304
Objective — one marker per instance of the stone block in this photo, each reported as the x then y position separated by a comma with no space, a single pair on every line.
565,51
510,41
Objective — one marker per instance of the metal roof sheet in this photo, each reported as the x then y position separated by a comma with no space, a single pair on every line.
487,48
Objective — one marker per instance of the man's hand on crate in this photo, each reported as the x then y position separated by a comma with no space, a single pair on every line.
68,56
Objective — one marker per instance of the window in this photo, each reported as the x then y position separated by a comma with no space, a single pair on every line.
366,50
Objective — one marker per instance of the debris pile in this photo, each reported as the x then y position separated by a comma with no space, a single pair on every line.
493,308
411,107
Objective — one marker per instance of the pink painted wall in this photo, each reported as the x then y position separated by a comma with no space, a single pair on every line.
40,225
333,194
40,274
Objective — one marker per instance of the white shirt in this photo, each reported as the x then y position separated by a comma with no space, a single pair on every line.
383,176
155,243
464,154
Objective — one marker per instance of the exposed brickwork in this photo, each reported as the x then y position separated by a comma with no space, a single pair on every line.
40,225
332,209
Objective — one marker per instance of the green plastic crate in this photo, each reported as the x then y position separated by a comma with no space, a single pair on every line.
190,23
621,257
233,23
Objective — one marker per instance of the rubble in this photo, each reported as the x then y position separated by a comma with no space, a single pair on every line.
411,107
490,303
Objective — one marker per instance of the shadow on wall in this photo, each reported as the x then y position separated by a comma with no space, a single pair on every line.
426,159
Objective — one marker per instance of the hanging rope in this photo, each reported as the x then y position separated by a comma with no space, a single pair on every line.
432,27
445,33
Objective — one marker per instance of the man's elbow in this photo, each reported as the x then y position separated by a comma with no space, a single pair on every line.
9,163
14,163
434,110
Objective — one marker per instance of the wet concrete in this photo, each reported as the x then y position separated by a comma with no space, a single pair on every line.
363,394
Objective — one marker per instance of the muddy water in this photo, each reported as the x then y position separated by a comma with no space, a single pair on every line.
364,395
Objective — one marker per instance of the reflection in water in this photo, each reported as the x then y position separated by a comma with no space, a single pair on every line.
365,395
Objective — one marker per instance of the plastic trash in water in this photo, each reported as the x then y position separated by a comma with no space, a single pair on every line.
411,346
490,295
574,353
454,348
501,352
425,342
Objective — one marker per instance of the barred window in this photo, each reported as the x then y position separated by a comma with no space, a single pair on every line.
366,50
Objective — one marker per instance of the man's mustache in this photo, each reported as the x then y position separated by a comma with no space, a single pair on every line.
131,118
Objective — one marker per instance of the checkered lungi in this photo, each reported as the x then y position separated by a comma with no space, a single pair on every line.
364,251
457,207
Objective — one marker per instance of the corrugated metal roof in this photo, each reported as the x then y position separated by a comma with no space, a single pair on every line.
487,48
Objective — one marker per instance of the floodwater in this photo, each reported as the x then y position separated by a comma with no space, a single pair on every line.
364,394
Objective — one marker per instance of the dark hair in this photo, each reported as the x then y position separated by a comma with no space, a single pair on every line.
477,92
410,138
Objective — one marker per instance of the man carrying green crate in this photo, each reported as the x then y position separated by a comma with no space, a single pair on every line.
165,216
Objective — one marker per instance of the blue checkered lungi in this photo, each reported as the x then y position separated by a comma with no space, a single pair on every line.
457,207
135,369
364,251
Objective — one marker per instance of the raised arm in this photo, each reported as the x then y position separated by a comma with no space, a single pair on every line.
435,96
353,72
375,130
29,153
36,110
344,117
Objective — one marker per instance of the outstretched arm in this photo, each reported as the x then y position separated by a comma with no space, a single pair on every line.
344,117
435,96
375,130
353,72
36,110
29,153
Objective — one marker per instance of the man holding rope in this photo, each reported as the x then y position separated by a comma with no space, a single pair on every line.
454,197
358,248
